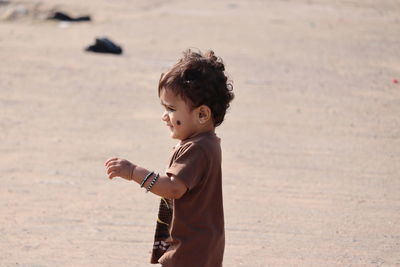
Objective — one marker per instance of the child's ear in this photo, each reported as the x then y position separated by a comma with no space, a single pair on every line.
204,114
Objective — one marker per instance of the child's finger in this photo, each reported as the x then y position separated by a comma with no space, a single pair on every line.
112,164
112,169
110,159
112,175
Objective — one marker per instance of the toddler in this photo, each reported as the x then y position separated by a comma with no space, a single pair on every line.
190,227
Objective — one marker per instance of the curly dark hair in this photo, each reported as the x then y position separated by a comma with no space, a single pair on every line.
200,80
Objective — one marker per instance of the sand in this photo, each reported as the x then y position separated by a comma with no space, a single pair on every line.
311,144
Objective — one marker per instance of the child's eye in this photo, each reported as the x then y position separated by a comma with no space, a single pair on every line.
169,109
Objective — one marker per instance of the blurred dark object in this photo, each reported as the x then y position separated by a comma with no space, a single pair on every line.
65,17
104,45
4,2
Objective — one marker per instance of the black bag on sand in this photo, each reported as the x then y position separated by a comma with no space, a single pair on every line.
65,17
104,45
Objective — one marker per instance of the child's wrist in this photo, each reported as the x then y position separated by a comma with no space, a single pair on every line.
133,167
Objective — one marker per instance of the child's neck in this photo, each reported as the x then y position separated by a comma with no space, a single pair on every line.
209,127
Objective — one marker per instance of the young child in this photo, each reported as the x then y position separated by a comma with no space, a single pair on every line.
190,228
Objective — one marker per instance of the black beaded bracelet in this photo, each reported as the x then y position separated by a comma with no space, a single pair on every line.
152,183
146,178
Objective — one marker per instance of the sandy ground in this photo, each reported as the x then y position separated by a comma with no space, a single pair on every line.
311,144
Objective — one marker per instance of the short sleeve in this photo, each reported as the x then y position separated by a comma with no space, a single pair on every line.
190,165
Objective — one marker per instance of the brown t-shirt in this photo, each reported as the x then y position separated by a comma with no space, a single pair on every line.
197,237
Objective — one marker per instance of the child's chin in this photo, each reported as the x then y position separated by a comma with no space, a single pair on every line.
175,136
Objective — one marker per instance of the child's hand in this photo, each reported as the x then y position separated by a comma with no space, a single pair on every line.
119,167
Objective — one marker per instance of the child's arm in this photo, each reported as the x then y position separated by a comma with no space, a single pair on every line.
165,186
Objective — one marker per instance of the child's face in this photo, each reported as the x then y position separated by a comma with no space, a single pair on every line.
181,119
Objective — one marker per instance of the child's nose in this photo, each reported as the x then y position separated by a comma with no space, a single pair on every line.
165,116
